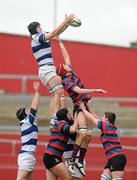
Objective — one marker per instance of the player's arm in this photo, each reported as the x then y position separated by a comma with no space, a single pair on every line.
89,91
59,29
92,117
64,51
74,127
63,103
36,97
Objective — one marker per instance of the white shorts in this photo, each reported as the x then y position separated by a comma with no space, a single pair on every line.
26,161
46,73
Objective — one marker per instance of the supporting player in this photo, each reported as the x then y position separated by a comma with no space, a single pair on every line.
76,90
114,169
29,133
42,52
58,140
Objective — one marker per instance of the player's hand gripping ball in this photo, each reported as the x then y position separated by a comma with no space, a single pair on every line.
76,22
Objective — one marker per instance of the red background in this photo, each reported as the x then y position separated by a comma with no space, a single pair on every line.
95,159
111,68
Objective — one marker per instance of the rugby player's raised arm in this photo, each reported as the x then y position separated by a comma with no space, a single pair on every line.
64,51
36,97
89,116
74,127
59,29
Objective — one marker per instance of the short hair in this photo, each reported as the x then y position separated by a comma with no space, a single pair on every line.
62,114
32,27
111,117
21,114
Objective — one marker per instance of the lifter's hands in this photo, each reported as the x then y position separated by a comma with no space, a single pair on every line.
81,105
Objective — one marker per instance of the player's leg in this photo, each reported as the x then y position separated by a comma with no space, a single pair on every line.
83,148
55,89
50,175
54,164
49,78
106,174
23,175
26,164
118,164
82,130
61,171
79,139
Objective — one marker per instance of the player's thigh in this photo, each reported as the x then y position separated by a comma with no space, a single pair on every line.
82,121
89,124
61,171
23,174
116,174
50,175
54,83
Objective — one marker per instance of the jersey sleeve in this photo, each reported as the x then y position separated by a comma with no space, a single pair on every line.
32,115
69,84
39,38
65,129
102,125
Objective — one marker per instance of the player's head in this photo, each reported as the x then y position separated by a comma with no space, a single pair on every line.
110,116
21,113
63,69
63,114
32,27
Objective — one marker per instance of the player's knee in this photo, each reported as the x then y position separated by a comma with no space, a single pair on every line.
117,178
68,177
56,89
105,177
89,132
82,132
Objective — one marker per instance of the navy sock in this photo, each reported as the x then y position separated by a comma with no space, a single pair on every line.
82,155
75,151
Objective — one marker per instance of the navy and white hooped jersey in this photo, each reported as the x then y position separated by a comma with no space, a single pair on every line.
41,49
29,133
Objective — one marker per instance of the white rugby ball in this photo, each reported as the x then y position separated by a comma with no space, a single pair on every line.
76,22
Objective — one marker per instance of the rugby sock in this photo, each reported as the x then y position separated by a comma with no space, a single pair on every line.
75,151
82,155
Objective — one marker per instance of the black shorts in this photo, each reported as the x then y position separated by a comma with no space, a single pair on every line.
77,109
51,160
116,163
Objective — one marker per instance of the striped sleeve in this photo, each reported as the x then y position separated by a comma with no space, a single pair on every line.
102,125
39,38
69,85
32,115
65,129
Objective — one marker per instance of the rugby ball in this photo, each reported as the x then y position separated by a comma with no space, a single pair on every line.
76,22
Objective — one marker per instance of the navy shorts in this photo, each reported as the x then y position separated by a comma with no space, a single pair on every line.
77,109
51,160
116,163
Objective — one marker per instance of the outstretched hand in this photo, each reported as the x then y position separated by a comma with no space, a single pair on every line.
69,18
36,85
101,91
